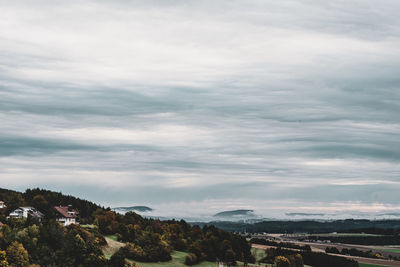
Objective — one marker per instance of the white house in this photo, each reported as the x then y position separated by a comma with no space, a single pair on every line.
2,205
66,215
25,212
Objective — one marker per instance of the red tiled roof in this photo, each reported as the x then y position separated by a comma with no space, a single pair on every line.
64,212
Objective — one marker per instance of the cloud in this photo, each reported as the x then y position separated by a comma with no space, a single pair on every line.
289,101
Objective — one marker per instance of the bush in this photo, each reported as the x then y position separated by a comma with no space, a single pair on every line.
332,250
118,259
281,261
191,259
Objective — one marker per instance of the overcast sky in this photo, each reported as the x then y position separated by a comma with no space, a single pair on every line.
207,105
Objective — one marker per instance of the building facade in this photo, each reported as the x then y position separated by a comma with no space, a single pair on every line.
25,212
66,215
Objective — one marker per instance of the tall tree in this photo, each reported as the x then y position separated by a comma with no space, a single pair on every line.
17,255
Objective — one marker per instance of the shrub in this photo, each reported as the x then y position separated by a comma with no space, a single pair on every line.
281,261
191,259
118,259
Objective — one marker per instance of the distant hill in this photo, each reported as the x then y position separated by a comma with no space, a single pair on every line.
133,208
303,214
309,226
247,213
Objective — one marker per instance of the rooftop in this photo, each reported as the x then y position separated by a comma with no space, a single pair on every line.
66,212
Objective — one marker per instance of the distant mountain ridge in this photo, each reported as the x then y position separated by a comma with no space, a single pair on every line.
242,212
303,214
134,208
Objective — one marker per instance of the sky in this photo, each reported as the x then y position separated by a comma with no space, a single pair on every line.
195,107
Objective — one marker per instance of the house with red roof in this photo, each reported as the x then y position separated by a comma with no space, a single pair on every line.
66,215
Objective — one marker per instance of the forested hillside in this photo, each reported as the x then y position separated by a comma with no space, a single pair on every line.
385,227
25,242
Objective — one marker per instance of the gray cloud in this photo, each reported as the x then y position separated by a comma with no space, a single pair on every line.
260,101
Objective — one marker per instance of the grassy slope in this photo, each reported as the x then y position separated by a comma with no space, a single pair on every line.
394,250
178,259
112,246
369,265
259,254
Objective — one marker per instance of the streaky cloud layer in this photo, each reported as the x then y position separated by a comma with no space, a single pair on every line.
267,105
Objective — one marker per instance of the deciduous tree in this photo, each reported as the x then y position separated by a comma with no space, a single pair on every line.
17,255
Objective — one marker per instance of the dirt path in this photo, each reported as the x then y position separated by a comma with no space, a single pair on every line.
112,247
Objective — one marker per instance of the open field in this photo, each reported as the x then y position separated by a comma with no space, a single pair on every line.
370,265
258,253
112,237
88,225
394,250
178,260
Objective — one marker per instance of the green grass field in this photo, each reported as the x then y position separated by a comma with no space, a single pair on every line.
394,250
112,237
178,257
258,253
370,265
88,225
178,260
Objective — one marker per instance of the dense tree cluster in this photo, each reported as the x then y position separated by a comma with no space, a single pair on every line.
356,252
312,226
359,240
153,240
298,258
377,231
266,242
50,244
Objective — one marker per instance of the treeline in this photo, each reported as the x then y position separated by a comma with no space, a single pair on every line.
360,240
314,259
375,231
146,240
354,252
307,226
266,242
